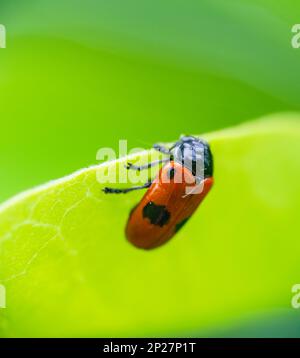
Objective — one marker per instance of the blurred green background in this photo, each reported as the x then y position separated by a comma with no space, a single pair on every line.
80,75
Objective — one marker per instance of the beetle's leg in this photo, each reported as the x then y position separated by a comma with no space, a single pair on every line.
125,190
146,166
161,149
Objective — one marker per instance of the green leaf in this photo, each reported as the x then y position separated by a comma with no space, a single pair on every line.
69,271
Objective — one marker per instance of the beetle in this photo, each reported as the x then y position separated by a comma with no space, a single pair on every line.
173,196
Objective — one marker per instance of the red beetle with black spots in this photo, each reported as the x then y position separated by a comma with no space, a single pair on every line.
173,196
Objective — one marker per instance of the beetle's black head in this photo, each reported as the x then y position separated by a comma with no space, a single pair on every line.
194,154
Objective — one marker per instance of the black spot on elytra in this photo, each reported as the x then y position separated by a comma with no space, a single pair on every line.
157,214
181,224
171,173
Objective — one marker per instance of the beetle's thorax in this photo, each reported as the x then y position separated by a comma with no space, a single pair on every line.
195,155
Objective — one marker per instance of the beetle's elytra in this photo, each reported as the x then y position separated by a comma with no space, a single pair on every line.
173,196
